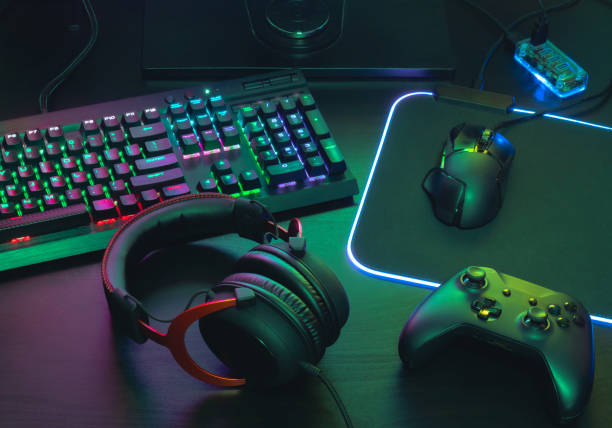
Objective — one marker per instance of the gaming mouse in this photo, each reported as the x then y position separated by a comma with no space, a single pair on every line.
466,189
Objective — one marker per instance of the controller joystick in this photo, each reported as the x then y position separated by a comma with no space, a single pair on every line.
474,278
517,315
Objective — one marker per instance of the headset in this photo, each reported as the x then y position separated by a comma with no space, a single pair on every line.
279,309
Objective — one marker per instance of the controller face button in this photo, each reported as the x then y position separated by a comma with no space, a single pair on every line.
533,301
563,322
570,306
554,309
578,320
536,318
506,292
474,278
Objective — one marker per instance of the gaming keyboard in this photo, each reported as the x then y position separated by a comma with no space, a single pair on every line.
69,178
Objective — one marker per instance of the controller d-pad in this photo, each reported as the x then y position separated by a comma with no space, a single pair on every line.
485,308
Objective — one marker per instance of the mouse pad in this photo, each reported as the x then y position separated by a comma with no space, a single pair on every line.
553,229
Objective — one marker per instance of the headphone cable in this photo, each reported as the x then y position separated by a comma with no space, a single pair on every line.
314,370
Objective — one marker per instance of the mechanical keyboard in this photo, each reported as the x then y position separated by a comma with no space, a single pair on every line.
69,178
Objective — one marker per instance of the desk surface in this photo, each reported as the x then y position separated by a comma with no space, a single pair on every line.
61,364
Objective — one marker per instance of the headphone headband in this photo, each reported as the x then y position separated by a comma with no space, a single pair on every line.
201,216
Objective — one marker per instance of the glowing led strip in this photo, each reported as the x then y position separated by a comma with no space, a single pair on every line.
416,281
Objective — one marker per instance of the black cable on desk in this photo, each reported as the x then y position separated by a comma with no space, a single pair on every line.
45,93
314,370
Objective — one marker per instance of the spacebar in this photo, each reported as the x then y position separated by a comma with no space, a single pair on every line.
49,221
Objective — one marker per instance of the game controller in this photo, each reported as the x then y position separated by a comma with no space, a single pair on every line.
516,315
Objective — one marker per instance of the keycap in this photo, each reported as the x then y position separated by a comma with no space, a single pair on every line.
157,180
7,210
44,222
189,145
5,177
203,122
103,209
274,124
68,165
306,102
31,155
150,115
229,184
95,191
130,119
128,204
208,184
101,175
53,151
294,120
259,144
51,201
75,146
117,188
122,170
33,138
249,180
111,122
177,111
317,123
89,127
288,154
90,161
287,104
157,163
35,188
267,109
221,167
29,206
315,166
10,141
175,190
149,197
79,179
246,114
54,133
333,157
132,152
223,118
308,149
25,172
147,132
9,158
230,136
57,183
254,129
158,147
94,143
196,106
111,156
281,139
267,157
182,126
73,196
301,135
285,172
215,103
210,140
13,192
116,138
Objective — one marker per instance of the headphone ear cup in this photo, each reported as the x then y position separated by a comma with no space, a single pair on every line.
305,275
263,342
